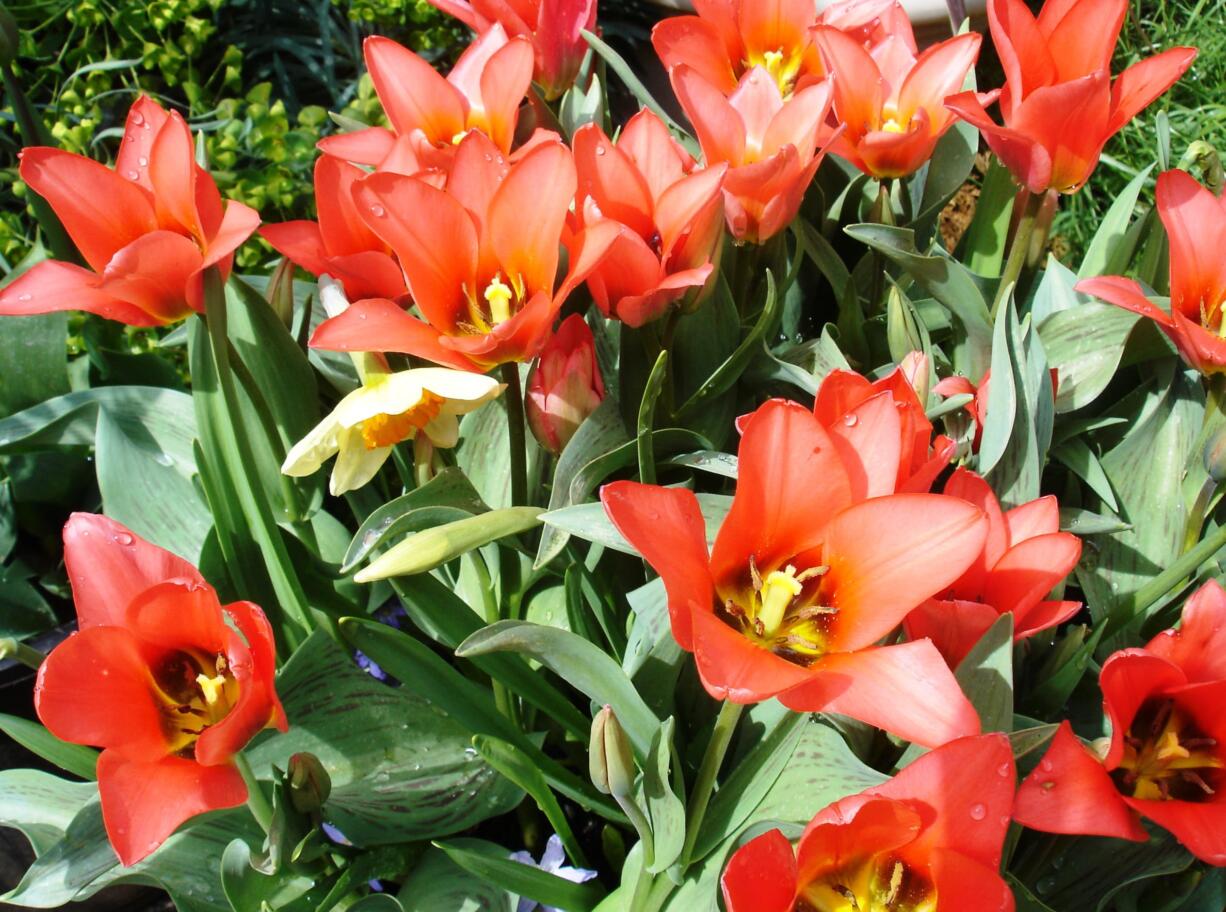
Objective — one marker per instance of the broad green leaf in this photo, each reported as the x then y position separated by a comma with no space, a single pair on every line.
1085,345
433,547
401,768
577,661
449,489
986,675
1106,254
1084,522
35,358
1076,454
74,758
658,791
1064,669
426,674
702,341
438,884
248,889
945,173
40,805
652,658
984,245
589,522
1026,741
1026,901
484,452
377,902
476,856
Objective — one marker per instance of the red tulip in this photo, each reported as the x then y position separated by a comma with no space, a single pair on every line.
1195,222
1167,752
1024,557
728,38
671,215
429,114
892,103
148,229
553,26
928,839
804,580
479,256
339,244
882,433
1059,104
770,146
565,385
158,679
977,408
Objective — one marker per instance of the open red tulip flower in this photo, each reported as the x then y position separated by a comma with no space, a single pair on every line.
882,433
429,115
1058,102
339,244
891,102
929,839
804,581
1195,222
671,213
147,229
770,146
479,256
554,27
1166,758
1024,557
168,681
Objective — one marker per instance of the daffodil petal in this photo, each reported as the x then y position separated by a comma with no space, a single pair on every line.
443,430
308,454
355,464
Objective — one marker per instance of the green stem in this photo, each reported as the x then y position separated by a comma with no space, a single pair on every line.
1168,579
712,760
26,655
514,398
423,460
257,801
1018,249
489,604
639,821
884,214
647,418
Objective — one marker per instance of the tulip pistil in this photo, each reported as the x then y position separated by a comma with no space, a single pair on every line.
777,615
781,65
502,301
1166,758
874,885
194,691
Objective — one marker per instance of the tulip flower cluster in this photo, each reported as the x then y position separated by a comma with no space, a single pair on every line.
688,443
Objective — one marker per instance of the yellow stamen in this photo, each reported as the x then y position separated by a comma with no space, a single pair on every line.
778,590
499,295
459,137
211,687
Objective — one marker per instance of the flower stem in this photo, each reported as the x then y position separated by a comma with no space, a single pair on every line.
257,801
712,760
1130,609
26,655
1018,249
514,398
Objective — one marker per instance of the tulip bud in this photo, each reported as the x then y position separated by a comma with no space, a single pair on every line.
309,783
610,759
915,367
9,39
280,291
1215,456
564,386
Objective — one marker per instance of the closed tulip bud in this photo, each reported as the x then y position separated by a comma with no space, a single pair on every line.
564,386
610,759
916,368
309,783
280,292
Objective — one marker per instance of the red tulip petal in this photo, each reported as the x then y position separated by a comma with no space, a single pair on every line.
852,830
1022,49
1023,155
238,223
1198,647
734,668
799,121
1141,83
1129,678
367,275
144,121
868,440
890,554
413,94
1038,517
341,227
629,268
1124,293
1070,120
761,875
1030,570
905,689
954,626
153,273
966,485
528,213
660,159
1042,616
1071,793
956,385
1083,39
172,171
586,251
718,126
1200,827
964,790
143,803
251,622
666,527
1202,349
791,483
504,83
520,338
52,286
434,238
376,324
179,614
109,566
299,241
857,84
94,688
966,885
937,73
696,43
101,211
1196,226
364,147
610,178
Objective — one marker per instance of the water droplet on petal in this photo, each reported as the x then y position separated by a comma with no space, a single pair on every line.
1004,820
378,211
850,420
1046,766
142,161
133,175
361,316
978,811
25,297
138,118
1003,770
122,538
600,150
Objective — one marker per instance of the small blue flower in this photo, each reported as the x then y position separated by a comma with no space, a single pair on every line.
552,861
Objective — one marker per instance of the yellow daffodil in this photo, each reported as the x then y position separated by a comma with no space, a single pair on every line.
386,409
